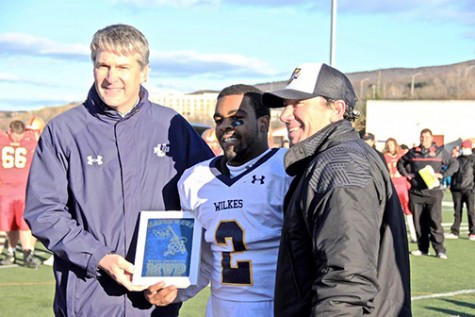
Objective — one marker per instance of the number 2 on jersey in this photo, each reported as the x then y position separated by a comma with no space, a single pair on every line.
240,273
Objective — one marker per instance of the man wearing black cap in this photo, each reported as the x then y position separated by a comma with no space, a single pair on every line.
344,246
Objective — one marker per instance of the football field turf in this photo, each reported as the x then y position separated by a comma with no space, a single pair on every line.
439,287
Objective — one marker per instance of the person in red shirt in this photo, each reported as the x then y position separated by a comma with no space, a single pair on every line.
16,152
392,153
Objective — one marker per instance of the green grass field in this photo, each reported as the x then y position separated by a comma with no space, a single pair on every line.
439,287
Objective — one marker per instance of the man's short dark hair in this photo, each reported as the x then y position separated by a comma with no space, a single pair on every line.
426,130
254,94
368,136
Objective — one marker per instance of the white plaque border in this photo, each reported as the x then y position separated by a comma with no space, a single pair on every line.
178,281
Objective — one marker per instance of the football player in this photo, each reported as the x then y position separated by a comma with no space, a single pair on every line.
238,198
16,151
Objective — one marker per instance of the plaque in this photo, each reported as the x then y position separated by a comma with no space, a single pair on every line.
168,248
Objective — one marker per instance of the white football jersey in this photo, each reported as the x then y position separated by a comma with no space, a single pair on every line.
242,218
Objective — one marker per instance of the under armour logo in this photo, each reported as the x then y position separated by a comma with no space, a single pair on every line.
255,179
97,160
161,149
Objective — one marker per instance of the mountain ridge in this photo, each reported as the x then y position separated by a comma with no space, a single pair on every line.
445,82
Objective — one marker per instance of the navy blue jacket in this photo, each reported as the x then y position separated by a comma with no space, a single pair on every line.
92,174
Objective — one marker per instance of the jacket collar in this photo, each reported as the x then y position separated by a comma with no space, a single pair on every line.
431,149
99,109
300,154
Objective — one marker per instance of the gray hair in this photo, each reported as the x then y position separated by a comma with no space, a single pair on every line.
121,39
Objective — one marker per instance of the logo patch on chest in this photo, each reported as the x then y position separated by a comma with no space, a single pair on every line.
161,149
91,160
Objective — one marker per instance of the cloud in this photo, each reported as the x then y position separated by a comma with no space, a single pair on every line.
270,3
193,63
377,6
172,62
156,3
189,3
26,44
427,9
8,77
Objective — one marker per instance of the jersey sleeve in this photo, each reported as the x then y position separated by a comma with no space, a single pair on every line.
206,260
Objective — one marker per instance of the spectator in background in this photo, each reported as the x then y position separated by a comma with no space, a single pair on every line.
463,191
425,200
455,152
404,148
17,152
371,141
392,153
96,167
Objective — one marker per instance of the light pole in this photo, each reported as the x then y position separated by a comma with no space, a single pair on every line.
361,87
332,35
412,83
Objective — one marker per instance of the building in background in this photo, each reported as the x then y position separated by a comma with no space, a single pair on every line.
451,121
196,107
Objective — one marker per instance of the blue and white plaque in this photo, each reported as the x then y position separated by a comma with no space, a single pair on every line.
168,248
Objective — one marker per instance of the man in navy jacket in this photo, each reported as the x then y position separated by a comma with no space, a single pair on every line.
96,167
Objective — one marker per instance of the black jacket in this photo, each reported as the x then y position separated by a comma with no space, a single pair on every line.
464,178
418,157
344,247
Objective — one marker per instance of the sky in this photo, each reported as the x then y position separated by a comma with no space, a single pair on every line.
210,44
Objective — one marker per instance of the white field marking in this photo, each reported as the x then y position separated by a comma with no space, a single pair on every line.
462,225
26,283
8,266
448,294
463,228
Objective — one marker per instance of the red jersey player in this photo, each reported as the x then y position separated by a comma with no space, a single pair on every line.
16,152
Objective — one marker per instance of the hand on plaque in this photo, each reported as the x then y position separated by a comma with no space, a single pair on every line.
161,295
120,270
